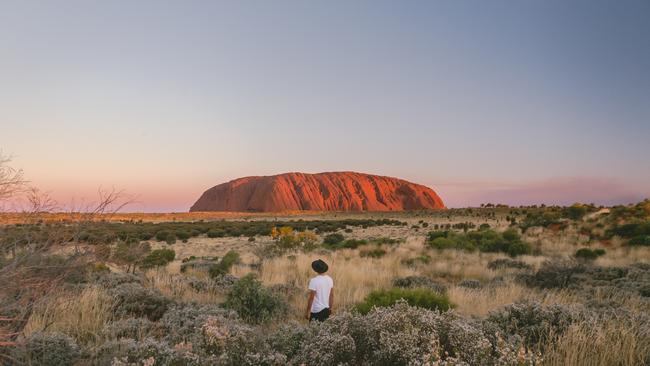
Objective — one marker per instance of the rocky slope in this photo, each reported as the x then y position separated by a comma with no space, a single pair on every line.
337,191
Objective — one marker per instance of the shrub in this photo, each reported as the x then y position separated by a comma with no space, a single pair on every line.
236,344
148,351
130,254
640,240
419,281
135,328
200,264
502,263
254,303
424,259
589,254
182,322
223,266
114,279
373,253
576,211
333,239
441,243
216,233
170,239
162,235
472,284
554,275
47,349
534,322
182,235
352,243
399,335
133,299
485,240
420,297
157,258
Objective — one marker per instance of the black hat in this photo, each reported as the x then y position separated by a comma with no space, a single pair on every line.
319,266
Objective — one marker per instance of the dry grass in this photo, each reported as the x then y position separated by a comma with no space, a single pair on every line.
354,277
175,286
480,302
81,315
624,256
608,343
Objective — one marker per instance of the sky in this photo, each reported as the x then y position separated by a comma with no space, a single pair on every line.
516,102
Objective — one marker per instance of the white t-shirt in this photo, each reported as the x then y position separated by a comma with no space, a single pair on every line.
322,284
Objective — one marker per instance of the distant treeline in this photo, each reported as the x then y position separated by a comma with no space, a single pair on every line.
109,232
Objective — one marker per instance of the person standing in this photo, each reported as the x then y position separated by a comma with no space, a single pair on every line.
320,300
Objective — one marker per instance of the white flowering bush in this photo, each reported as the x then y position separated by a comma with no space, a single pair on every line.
184,322
133,299
397,335
533,322
235,344
46,349
135,328
146,352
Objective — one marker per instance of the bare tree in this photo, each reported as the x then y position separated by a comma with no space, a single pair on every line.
11,180
28,275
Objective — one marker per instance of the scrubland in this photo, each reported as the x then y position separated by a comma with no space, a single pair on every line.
479,286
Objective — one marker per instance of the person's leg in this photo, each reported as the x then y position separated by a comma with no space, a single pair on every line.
320,316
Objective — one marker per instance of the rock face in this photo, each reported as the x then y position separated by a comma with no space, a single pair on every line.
338,191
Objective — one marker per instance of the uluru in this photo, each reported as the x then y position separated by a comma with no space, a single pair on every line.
332,191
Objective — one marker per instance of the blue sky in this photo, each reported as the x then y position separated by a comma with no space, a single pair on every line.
515,101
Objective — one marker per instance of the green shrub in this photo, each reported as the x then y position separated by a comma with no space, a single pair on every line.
157,258
223,266
442,243
353,243
162,235
420,297
486,240
554,275
502,263
640,240
333,239
373,253
254,303
216,233
419,282
576,211
589,254
182,235
133,299
171,239
47,349
423,259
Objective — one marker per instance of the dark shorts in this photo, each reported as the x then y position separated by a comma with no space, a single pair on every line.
321,315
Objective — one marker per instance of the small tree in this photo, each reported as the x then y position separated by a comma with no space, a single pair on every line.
130,254
253,302
223,266
158,258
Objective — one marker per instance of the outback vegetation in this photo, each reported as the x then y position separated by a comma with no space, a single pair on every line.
492,285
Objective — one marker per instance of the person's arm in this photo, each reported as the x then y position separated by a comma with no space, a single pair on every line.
310,300
331,302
